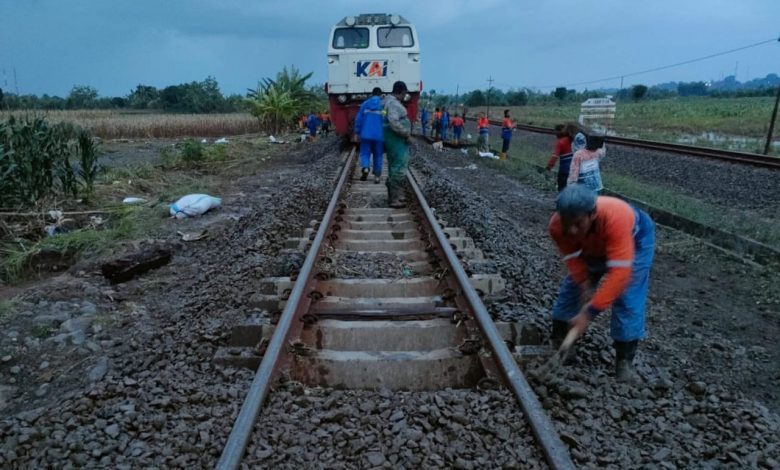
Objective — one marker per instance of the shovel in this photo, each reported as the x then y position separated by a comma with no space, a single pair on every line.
557,359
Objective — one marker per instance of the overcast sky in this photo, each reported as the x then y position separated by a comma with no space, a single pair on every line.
114,45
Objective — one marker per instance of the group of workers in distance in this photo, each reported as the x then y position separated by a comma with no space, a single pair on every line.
442,123
606,244
312,121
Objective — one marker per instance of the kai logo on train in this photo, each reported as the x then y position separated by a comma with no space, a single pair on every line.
371,68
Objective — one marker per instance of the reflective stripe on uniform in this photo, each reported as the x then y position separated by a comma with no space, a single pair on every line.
619,263
572,255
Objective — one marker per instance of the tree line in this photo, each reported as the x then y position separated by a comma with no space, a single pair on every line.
726,88
193,97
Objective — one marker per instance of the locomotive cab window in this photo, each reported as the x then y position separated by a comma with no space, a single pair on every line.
350,38
398,36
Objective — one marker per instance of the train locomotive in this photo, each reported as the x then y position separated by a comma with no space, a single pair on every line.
367,51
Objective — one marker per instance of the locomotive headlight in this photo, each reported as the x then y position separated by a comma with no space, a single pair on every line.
350,20
342,99
394,20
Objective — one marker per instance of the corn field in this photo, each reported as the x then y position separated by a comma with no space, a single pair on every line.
39,160
110,124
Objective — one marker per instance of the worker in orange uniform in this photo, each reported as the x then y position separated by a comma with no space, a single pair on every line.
507,126
607,246
483,131
436,131
457,128
325,126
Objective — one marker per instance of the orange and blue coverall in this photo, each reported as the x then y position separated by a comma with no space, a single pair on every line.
615,256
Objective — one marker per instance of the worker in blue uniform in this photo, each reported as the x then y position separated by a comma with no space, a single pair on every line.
312,122
424,121
369,127
445,123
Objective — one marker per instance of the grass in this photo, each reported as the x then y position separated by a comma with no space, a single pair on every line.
526,164
111,124
739,123
6,307
159,185
124,222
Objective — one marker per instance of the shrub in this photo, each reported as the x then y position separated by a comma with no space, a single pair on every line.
192,151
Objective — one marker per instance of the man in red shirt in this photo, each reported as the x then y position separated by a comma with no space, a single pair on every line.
607,246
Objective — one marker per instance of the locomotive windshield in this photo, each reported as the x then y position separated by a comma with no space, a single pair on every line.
397,36
350,38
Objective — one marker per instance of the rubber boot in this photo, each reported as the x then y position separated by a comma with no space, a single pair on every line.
364,174
625,371
559,330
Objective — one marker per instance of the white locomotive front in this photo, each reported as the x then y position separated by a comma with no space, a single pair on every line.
368,51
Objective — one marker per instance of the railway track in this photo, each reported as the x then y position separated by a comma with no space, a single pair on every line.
425,328
732,156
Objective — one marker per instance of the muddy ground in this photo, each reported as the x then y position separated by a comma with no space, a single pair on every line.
711,365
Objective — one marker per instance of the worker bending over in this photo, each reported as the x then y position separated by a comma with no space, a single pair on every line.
607,246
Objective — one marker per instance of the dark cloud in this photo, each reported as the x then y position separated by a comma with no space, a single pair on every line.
114,45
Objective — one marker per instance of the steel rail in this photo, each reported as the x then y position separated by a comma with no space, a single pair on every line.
555,451
732,156
682,149
250,410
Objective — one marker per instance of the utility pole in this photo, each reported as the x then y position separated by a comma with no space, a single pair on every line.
772,124
772,121
490,88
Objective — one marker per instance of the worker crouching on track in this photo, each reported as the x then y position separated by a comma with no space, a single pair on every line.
607,246
370,127
397,139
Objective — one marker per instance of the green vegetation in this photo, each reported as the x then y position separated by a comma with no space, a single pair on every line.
194,97
125,222
6,307
35,161
277,104
41,331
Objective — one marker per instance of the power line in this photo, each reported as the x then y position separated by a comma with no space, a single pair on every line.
664,67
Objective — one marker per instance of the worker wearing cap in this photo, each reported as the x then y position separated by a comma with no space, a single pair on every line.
607,246
369,125
398,130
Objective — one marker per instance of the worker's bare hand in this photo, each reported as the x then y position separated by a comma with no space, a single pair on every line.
580,322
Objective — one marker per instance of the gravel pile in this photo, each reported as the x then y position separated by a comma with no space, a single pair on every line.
326,428
686,412
728,184
140,391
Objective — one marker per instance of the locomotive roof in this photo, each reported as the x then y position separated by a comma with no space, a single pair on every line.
368,19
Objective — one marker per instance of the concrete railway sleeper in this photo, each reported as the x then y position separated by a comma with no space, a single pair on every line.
421,328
